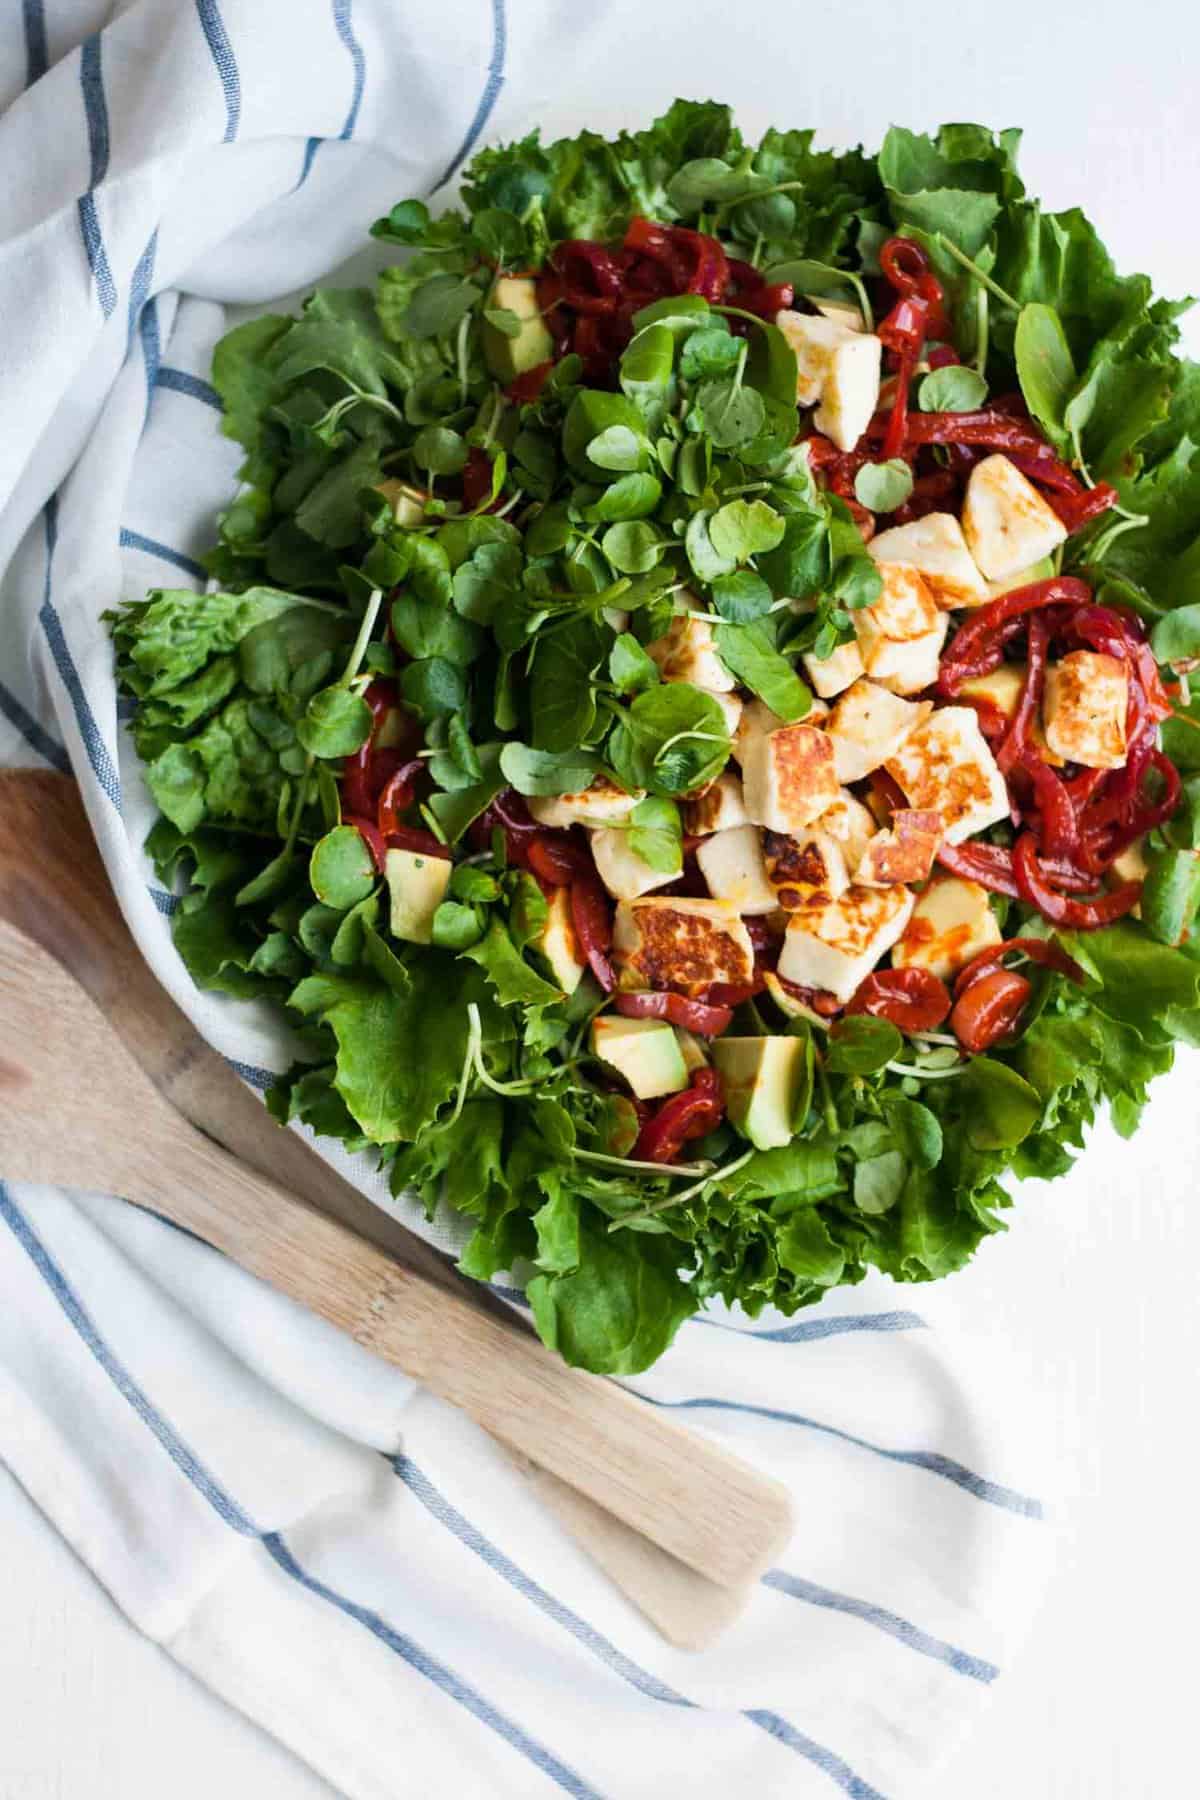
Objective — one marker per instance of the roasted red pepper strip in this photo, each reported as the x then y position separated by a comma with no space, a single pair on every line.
1016,740
905,327
1057,822
364,773
1059,908
528,386
989,1010
370,836
1039,950
992,867
397,795
819,999
974,646
591,916
895,436
911,999
555,860
692,1114
692,1015
590,277
423,843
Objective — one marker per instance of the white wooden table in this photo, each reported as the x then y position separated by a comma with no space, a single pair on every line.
1092,1297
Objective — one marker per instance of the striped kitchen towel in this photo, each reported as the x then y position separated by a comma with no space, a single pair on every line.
344,1559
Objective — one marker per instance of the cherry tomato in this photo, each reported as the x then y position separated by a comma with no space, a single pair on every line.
989,1010
397,795
1038,950
910,999
692,1015
423,843
592,919
691,1114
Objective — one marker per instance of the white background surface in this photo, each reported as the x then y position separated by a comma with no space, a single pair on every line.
1091,1299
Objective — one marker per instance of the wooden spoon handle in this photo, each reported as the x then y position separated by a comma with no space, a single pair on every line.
110,1129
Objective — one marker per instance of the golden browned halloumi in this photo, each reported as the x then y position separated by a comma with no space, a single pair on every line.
788,777
904,852
809,863
936,546
1084,709
834,944
951,922
946,766
680,943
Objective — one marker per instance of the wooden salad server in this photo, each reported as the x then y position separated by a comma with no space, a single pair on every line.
680,1526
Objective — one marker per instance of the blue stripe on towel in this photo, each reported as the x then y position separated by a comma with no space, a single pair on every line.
37,57
487,100
181,382
48,748
646,1683
961,1661
809,1331
931,1460
133,540
226,1508
102,763
95,109
262,1079
343,25
221,50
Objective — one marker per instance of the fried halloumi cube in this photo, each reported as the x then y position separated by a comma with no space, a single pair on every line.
732,865
936,546
831,675
834,944
624,873
946,766
904,852
951,922
1084,709
809,863
868,725
680,943
849,823
601,804
687,652
788,777
814,339
851,391
718,808
1005,521
900,636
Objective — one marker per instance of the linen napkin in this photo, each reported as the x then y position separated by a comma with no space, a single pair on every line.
347,1561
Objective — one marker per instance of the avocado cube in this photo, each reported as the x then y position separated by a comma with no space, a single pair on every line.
762,1078
417,885
645,1051
508,357
558,943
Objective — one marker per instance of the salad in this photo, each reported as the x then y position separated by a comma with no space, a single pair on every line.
692,713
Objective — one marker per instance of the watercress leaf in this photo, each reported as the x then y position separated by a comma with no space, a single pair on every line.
429,570
669,740
437,305
748,652
591,416
1045,370
956,388
732,415
633,548
424,628
336,722
618,1311
647,370
562,690
741,597
629,668
713,351
879,1181
501,236
455,811
706,561
680,313
861,1045
882,487
632,497
999,1106
1176,636
547,771
656,834
455,926
617,448
801,563
440,450
915,1128
741,528
433,686
341,868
